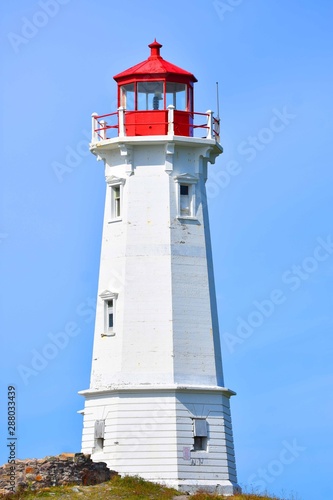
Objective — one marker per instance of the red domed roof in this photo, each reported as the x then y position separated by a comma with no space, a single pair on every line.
155,66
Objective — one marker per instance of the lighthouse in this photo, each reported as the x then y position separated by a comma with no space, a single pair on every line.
157,405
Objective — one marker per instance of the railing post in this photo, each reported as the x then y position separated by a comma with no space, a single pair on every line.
121,121
171,120
94,134
210,124
217,129
103,129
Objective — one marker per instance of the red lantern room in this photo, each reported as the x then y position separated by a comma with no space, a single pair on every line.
147,92
155,97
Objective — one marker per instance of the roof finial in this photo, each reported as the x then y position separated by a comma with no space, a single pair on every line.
155,49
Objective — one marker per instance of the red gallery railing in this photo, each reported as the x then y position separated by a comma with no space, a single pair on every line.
124,123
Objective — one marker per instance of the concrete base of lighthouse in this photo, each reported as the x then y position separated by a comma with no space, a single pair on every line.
150,432
225,488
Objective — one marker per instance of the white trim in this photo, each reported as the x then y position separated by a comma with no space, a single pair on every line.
186,179
188,218
107,295
112,180
158,388
195,142
169,156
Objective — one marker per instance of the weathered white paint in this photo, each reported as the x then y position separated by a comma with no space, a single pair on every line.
161,367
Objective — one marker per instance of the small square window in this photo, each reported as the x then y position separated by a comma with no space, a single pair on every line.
200,443
99,435
200,434
99,444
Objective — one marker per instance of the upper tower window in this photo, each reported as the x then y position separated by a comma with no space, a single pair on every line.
110,299
116,200
109,315
186,199
150,96
116,197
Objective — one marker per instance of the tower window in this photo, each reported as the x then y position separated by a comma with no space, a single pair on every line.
186,196
110,315
116,202
116,185
185,199
200,443
99,435
200,434
110,300
109,318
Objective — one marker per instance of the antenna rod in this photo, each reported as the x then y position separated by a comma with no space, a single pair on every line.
218,100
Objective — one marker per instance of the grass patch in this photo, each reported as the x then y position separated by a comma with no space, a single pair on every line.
125,488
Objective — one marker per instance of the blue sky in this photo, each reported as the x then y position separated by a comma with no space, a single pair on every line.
270,201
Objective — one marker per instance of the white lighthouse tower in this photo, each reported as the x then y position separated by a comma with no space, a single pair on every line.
157,406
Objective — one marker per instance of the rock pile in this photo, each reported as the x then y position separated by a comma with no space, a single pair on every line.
67,468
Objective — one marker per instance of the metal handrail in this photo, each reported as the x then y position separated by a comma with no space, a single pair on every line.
100,126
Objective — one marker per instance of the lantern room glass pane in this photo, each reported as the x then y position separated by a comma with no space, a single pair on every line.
150,96
127,96
176,95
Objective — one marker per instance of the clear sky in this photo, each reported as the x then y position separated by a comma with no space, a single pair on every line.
270,201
